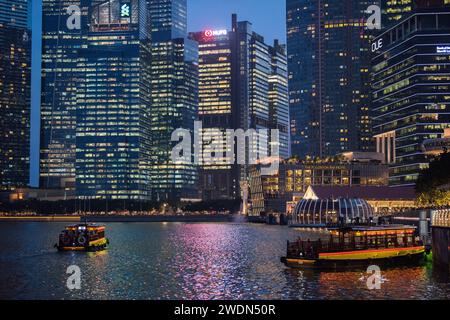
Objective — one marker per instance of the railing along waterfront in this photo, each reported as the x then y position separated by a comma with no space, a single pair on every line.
441,218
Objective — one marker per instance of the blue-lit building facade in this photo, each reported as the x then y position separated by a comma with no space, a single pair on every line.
328,48
173,99
15,83
113,103
411,90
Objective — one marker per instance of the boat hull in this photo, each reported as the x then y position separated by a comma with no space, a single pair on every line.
93,246
359,259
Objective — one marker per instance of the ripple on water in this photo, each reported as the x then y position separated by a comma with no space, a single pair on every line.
188,261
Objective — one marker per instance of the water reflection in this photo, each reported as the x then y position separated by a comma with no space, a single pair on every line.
188,261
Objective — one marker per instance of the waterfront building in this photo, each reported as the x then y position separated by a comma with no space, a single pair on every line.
60,75
15,83
218,180
328,47
173,99
113,103
411,90
273,192
242,85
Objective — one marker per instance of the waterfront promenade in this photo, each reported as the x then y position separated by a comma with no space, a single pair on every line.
129,218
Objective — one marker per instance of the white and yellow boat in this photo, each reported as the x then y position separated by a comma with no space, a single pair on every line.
357,246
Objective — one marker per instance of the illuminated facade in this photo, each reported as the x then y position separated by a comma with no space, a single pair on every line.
279,98
174,99
113,104
168,19
242,85
393,11
15,75
15,13
329,60
271,193
60,74
218,180
411,89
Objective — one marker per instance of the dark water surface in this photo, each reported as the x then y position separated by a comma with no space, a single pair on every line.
187,261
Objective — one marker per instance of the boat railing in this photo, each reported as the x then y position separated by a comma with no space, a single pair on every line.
312,249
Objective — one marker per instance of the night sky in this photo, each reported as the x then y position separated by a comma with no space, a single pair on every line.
267,16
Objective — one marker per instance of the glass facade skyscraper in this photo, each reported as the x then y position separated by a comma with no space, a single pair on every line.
218,178
168,19
111,99
113,103
393,11
328,47
15,13
15,79
60,74
174,99
411,90
242,85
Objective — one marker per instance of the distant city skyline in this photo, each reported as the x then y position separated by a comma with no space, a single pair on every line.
202,15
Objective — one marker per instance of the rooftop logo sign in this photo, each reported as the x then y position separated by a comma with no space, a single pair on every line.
214,33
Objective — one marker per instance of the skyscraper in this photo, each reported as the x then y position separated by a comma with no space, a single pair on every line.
218,179
15,13
393,11
242,85
168,19
329,60
60,74
113,103
279,98
411,90
15,78
174,99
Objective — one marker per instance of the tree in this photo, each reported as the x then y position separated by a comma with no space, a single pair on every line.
430,184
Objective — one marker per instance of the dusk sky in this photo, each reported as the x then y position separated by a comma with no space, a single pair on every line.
267,16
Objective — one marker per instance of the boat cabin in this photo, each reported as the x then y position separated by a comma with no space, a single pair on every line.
354,238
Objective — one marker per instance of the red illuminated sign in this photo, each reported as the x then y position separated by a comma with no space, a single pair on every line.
214,33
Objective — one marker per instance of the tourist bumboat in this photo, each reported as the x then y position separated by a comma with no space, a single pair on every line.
357,246
82,237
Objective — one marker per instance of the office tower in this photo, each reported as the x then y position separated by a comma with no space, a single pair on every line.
218,179
393,11
60,74
113,103
15,13
242,85
168,19
279,98
174,99
15,79
328,47
411,90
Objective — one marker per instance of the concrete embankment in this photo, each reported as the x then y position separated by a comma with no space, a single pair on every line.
111,218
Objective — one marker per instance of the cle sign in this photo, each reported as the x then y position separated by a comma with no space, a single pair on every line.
215,33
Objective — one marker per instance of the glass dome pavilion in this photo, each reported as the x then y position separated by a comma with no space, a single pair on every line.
331,211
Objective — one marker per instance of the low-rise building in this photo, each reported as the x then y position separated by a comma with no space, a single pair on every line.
273,193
